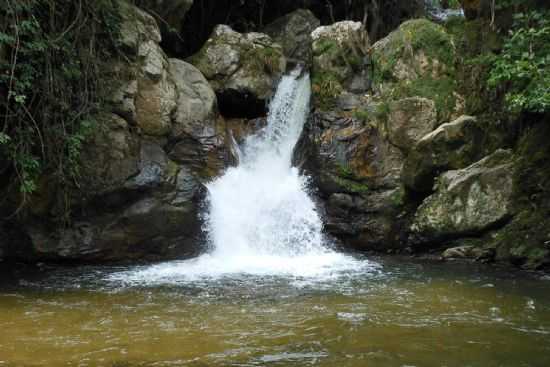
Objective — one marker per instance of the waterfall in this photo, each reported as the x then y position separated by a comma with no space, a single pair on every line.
260,219
261,207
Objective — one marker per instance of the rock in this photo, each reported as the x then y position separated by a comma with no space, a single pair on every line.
525,241
109,157
467,201
453,145
464,252
293,32
147,94
418,60
131,200
196,104
409,120
154,214
155,104
137,27
338,54
123,100
245,65
357,172
171,17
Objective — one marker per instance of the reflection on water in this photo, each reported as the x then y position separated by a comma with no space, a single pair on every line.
398,314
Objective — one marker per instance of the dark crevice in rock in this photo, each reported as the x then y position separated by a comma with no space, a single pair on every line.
237,104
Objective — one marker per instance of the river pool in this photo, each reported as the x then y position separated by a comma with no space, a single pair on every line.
390,313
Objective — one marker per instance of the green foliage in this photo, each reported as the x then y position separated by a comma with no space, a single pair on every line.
523,67
52,81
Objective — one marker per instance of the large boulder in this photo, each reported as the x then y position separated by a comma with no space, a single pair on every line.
147,93
357,172
153,214
451,146
418,59
242,68
467,201
338,57
196,102
293,32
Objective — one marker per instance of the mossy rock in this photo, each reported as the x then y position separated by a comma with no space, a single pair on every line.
249,63
525,241
337,57
418,60
468,201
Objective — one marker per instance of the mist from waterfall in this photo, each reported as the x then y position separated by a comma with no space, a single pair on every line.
260,219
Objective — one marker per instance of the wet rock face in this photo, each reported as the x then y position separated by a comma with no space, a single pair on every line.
356,171
293,33
467,201
241,67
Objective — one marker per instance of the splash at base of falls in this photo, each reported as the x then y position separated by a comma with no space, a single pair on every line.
260,219
306,268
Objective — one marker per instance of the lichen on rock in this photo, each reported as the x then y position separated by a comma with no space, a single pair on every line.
467,201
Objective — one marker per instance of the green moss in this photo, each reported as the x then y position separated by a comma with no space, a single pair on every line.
412,37
324,46
351,186
441,91
397,198
345,171
362,115
429,37
326,88
264,59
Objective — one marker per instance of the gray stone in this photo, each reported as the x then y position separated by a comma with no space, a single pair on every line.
196,104
454,145
468,201
409,120
247,64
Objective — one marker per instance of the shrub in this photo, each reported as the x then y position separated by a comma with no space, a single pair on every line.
523,67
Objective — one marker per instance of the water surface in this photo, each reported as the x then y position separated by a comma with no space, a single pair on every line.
393,314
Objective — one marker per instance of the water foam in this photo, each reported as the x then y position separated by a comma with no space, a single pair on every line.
261,220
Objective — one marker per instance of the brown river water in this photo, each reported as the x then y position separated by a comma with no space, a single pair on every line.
399,313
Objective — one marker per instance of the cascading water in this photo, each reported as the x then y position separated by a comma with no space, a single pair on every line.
260,219
261,207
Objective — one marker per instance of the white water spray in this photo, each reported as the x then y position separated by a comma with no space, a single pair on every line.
261,207
261,220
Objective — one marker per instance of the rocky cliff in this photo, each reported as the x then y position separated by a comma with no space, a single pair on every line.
407,150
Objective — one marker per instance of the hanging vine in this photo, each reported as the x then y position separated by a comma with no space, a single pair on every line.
52,54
